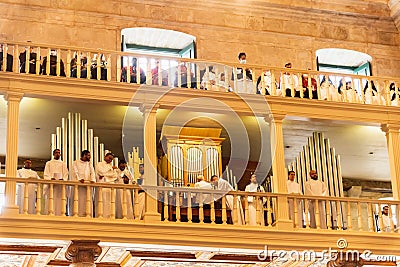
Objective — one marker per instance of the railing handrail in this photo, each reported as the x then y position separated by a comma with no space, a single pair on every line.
190,60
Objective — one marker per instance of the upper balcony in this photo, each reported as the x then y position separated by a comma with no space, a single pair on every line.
171,216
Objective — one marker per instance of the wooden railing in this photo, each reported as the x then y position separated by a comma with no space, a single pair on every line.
125,67
38,197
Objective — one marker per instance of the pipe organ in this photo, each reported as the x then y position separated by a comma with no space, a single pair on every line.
74,136
190,152
134,161
320,156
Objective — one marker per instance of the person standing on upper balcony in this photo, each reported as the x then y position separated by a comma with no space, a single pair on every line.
253,202
386,221
313,86
201,184
124,177
289,81
135,70
55,169
223,186
294,188
9,59
27,172
142,195
106,174
314,187
31,60
83,171
52,65
244,76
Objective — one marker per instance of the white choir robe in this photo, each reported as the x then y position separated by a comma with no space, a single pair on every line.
225,187
82,170
54,169
294,188
386,223
120,193
316,188
27,173
109,175
206,197
253,204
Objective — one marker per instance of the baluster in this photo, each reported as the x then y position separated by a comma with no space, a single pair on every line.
309,86
207,74
98,66
137,69
388,97
166,209
300,85
263,87
170,74
177,206
370,218
113,195
27,59
124,203
159,73
296,223
68,73
100,205
179,75
128,71
246,209
26,200
317,214
339,214
391,219
15,61
136,207
48,61
201,211
51,200
189,207
37,71
291,85
254,71
359,222
5,50
273,83
318,87
88,201
224,217
118,68
89,66
109,68
328,214
235,210
307,209
39,199
235,79
349,222
58,64
212,211
149,76
63,200
380,219
269,212
258,215
198,82
79,63
226,79
76,201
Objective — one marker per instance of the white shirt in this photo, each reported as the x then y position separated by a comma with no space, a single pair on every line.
287,78
27,173
386,223
203,185
315,188
106,170
56,169
223,185
82,170
293,187
121,174
253,188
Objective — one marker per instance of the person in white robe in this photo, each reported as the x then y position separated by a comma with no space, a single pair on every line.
124,176
244,77
83,171
289,81
255,204
201,184
224,187
105,173
294,188
55,169
27,172
142,195
386,221
314,187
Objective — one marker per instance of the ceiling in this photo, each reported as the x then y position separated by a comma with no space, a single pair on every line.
362,148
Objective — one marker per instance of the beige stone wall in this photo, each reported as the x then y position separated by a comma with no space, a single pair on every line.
270,31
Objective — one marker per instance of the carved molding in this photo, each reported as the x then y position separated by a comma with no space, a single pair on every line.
83,251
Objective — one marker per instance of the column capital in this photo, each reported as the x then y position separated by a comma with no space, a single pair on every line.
83,251
148,108
13,96
275,117
390,128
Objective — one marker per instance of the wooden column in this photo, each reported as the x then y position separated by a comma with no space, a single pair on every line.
150,161
83,253
278,169
393,147
13,101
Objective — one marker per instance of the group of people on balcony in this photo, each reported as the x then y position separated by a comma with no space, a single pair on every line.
82,171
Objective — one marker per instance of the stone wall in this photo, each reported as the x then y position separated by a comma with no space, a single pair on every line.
271,32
